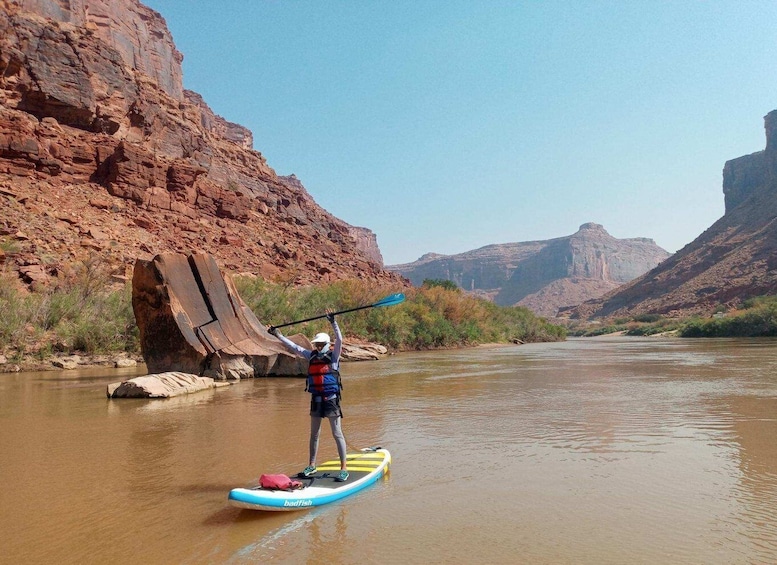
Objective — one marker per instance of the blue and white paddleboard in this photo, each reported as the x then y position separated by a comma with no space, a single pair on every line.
364,469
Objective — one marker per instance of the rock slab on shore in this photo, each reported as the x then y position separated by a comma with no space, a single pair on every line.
161,385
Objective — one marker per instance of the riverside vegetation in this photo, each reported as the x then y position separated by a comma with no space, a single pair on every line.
89,316
436,315
756,317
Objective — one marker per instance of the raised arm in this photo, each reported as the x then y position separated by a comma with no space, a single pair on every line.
337,346
299,350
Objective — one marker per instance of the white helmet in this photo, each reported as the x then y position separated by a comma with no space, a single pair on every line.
321,338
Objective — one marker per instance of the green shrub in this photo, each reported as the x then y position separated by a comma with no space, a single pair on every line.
759,301
442,283
106,323
647,318
9,246
15,312
759,319
80,315
432,316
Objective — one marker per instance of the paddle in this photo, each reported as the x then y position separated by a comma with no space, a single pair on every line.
390,300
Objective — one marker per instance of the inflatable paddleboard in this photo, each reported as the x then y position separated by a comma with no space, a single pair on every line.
364,469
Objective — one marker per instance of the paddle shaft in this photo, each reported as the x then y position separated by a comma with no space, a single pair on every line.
324,316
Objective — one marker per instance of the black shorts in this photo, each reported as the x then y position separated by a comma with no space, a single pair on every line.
326,408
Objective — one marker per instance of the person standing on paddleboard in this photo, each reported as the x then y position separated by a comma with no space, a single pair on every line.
324,385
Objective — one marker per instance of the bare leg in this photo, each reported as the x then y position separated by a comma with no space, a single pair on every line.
337,433
315,429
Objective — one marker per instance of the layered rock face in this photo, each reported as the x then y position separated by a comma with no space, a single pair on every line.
138,34
543,275
105,157
734,259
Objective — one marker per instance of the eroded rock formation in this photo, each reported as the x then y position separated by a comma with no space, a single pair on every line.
192,320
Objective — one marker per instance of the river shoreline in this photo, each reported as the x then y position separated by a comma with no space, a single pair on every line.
30,364
69,362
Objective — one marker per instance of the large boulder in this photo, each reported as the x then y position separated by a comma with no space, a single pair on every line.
191,319
363,351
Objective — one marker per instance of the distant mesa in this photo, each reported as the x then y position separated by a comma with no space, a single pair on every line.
543,275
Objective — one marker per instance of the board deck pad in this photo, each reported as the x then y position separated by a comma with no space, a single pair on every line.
359,465
364,468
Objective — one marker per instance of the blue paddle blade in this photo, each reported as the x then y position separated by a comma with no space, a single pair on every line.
391,300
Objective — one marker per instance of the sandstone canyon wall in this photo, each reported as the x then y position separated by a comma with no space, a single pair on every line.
104,156
734,259
543,275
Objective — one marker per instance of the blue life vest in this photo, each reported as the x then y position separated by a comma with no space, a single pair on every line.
323,380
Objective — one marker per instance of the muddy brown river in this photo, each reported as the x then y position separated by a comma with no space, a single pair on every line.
595,451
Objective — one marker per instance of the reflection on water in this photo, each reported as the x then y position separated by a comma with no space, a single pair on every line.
616,450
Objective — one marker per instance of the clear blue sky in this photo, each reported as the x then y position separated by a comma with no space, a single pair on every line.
446,125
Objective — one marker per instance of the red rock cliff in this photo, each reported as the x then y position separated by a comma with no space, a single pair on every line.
104,156
734,259
138,34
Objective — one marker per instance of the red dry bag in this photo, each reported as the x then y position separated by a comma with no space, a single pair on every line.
278,482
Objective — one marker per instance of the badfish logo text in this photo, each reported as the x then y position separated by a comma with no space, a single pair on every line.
296,503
